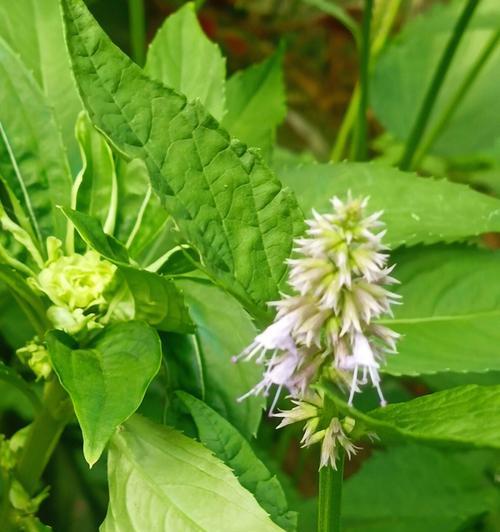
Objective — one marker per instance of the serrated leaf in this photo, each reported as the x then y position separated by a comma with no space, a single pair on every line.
416,209
231,447
151,298
32,158
107,378
225,201
466,416
182,57
403,73
252,94
449,319
34,29
415,488
178,485
223,329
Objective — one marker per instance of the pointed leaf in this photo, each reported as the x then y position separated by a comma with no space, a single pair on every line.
416,209
225,201
177,485
230,447
183,58
106,379
255,93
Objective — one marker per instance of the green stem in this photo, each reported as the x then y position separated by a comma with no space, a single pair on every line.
432,93
44,434
361,133
137,19
454,103
330,495
389,16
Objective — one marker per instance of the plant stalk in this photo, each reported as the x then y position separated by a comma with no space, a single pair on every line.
390,12
454,103
137,24
361,132
44,434
330,495
434,88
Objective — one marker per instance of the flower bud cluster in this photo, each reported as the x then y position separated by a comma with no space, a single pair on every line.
75,284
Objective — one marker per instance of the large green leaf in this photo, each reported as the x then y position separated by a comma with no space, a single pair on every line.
224,199
466,416
404,71
161,480
256,102
223,329
415,488
107,378
450,316
183,58
416,209
33,28
229,446
32,158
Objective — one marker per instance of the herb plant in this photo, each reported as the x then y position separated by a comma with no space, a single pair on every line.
176,284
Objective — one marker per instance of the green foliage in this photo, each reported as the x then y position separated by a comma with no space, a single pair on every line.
230,447
152,298
416,209
449,319
224,199
34,30
183,58
405,69
106,378
219,382
466,416
32,157
414,488
256,102
178,485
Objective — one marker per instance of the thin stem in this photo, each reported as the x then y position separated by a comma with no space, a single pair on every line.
137,23
390,11
44,434
361,133
454,103
432,93
330,495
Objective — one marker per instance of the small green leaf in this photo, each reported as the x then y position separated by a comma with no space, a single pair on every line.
92,234
177,485
416,209
253,94
225,201
151,298
229,446
32,158
223,329
415,488
467,416
107,378
450,316
183,58
95,189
